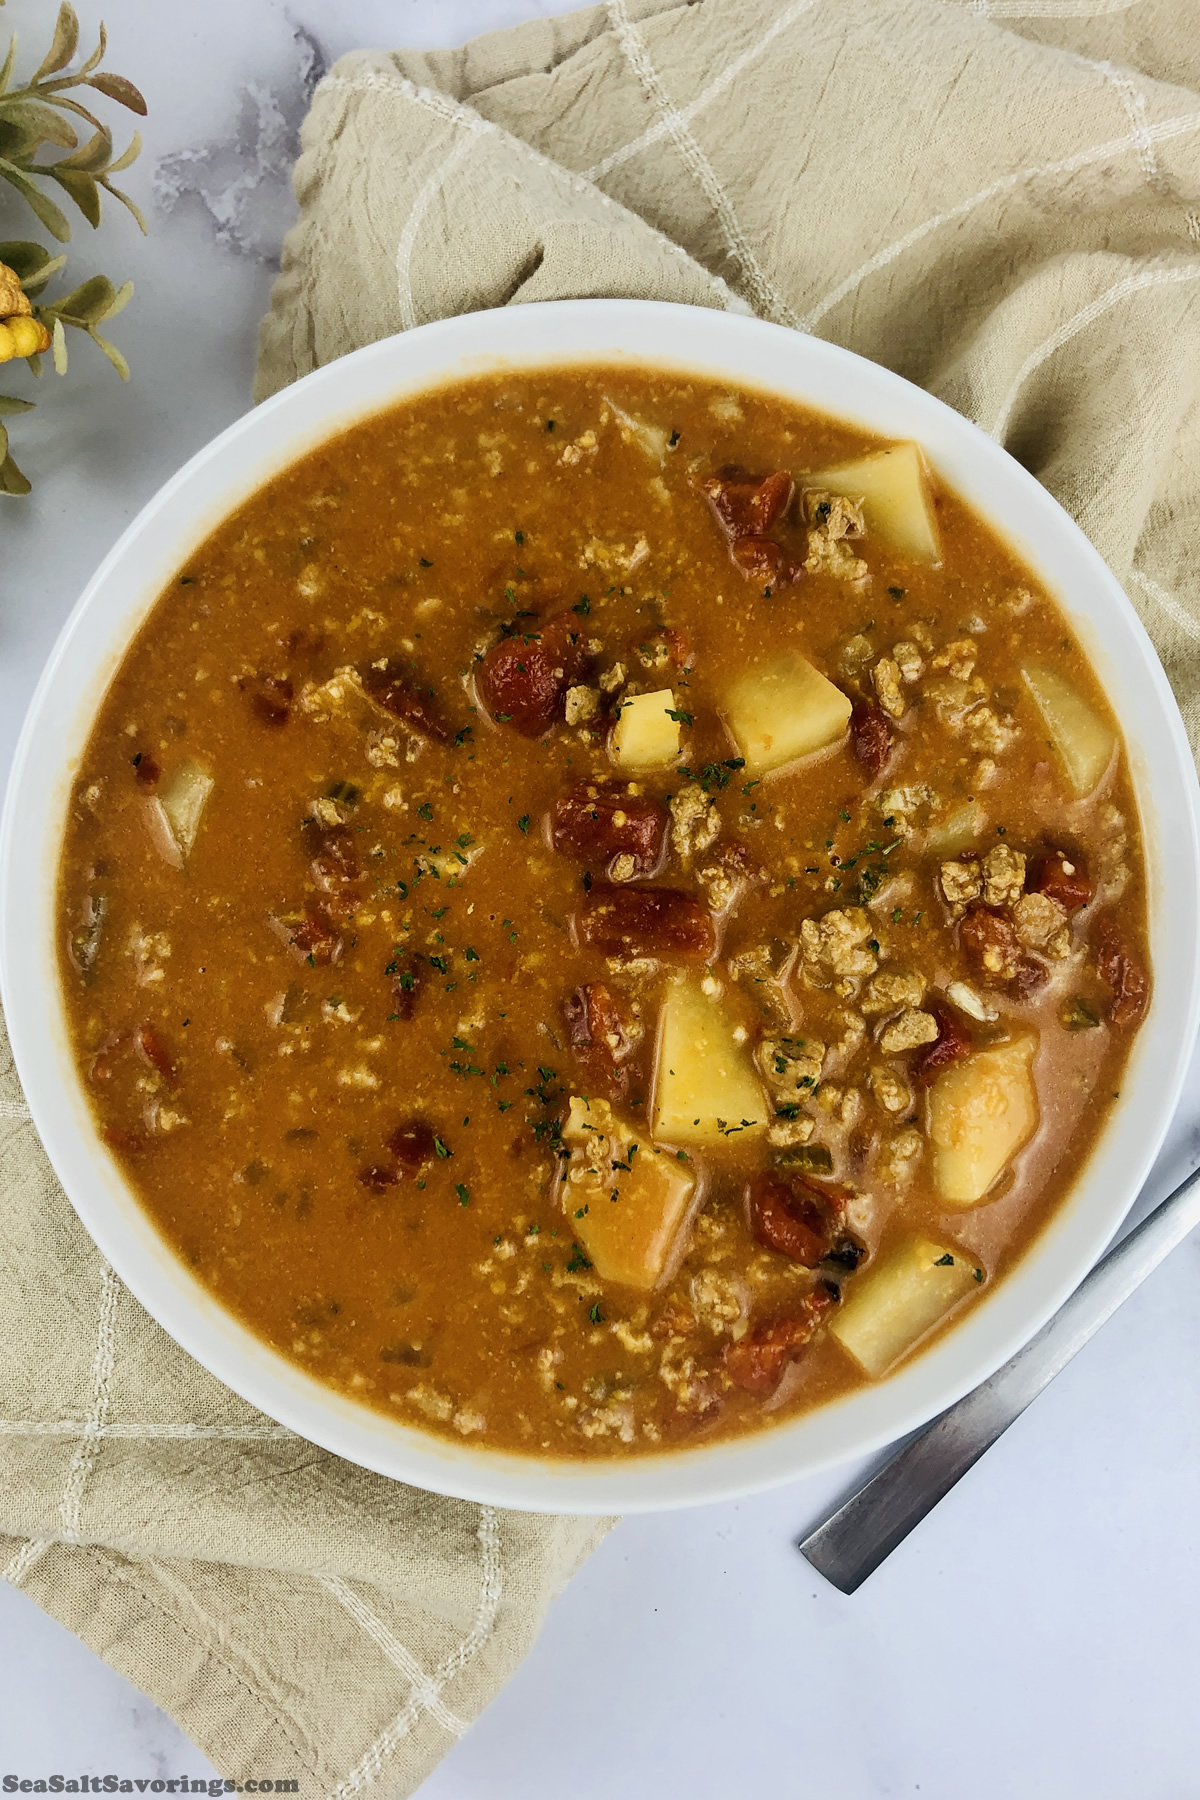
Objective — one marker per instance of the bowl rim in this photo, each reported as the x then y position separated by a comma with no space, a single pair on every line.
710,344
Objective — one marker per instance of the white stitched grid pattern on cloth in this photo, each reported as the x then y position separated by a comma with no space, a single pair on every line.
999,199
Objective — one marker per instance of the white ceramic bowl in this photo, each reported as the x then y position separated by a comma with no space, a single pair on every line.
745,353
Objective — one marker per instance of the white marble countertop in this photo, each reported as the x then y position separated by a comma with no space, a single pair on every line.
1039,1634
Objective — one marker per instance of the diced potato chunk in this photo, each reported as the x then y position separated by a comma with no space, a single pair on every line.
1081,738
645,735
892,1305
705,1085
782,710
980,1113
627,1202
893,486
176,810
652,439
962,828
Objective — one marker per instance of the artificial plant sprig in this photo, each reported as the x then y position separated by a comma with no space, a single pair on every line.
32,118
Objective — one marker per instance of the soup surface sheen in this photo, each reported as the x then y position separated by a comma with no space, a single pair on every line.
599,911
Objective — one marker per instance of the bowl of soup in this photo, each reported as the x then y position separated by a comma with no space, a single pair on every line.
588,906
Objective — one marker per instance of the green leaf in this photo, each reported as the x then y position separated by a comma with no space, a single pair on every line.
39,123
16,143
132,205
92,156
9,60
63,45
10,404
26,259
121,299
116,87
58,347
97,55
87,304
129,155
81,112
113,354
50,215
11,479
33,284
82,189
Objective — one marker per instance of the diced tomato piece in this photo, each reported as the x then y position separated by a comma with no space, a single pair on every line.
789,1218
523,679
757,1361
413,1143
119,1068
594,1016
990,944
762,559
579,1025
600,1034
747,505
334,851
126,1142
146,1042
310,935
952,1043
339,909
146,771
1063,876
646,921
152,1046
872,736
400,690
597,821
576,1017
992,947
1123,973
108,1057
270,697
675,643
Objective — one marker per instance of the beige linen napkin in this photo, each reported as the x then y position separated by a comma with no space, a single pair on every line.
998,198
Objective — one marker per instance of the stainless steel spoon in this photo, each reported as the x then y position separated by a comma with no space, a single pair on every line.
854,1540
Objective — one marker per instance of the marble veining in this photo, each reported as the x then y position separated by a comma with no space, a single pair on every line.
242,181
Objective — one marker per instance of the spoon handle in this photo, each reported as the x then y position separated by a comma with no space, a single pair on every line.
854,1540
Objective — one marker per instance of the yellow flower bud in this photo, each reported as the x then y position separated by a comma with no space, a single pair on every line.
14,301
22,337
20,333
